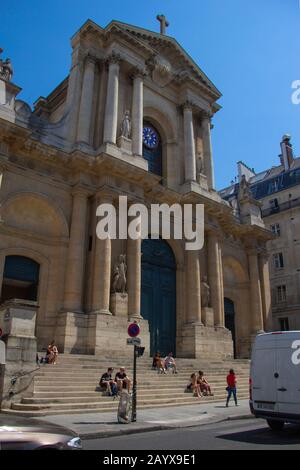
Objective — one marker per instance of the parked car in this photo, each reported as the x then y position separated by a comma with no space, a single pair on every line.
18,433
275,378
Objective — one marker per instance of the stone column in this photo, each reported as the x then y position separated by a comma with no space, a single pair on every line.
215,279
193,287
73,94
222,286
134,260
137,114
102,270
265,291
86,102
207,150
189,143
112,98
255,293
76,252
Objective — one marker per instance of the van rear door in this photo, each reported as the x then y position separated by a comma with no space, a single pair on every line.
263,368
288,368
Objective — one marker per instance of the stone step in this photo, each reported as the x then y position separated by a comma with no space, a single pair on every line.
147,376
71,386
92,389
140,377
141,388
113,404
141,384
23,410
120,361
30,411
98,397
54,371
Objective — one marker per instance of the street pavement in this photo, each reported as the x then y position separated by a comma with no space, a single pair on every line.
101,425
247,435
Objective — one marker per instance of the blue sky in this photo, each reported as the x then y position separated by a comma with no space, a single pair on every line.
250,49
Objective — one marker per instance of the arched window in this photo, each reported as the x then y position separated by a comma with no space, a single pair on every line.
152,148
20,278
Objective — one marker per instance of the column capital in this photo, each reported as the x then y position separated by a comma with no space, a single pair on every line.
79,190
264,255
113,58
187,105
138,72
90,59
252,251
205,115
104,197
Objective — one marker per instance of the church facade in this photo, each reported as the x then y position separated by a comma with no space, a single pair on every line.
133,118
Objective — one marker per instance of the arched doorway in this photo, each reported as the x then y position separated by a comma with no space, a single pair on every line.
158,299
152,148
230,320
20,278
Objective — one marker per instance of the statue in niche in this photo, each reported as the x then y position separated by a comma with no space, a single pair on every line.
205,293
119,275
6,70
126,126
244,190
199,166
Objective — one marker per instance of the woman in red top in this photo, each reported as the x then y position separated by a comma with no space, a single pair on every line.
231,387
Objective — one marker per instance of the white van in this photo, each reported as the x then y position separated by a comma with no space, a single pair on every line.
275,378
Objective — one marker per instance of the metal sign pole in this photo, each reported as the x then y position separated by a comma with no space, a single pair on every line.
133,418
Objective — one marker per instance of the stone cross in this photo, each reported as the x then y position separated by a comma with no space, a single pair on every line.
163,23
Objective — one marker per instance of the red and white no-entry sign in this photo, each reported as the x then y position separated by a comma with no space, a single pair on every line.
133,330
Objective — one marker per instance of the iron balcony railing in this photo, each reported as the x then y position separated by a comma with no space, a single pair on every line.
281,207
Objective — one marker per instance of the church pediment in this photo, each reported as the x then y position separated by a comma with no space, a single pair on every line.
166,59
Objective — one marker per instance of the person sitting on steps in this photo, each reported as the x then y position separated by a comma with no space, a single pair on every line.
204,385
194,386
160,365
52,353
170,363
156,357
122,380
107,383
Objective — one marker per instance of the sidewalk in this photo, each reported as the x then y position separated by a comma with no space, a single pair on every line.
98,425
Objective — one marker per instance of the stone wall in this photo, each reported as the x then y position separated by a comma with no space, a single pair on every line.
17,320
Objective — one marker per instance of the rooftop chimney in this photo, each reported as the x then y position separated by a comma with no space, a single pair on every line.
287,156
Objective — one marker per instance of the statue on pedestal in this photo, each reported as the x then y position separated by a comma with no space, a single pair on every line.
119,275
6,70
199,166
244,190
126,126
205,293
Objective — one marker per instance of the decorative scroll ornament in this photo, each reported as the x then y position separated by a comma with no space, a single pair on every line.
162,71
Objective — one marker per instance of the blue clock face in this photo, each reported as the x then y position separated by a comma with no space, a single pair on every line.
150,137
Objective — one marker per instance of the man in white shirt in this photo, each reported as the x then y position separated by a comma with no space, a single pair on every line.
170,363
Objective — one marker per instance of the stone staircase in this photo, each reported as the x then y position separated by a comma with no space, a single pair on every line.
71,386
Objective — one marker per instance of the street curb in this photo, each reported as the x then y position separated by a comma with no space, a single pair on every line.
128,431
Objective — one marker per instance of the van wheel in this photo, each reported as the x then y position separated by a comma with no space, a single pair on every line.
275,425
